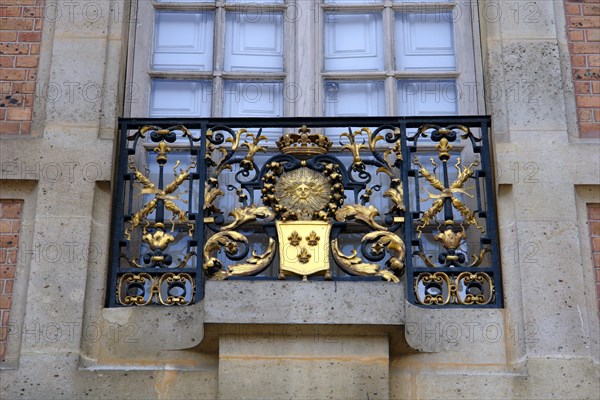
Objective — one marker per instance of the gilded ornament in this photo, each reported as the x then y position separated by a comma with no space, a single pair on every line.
159,239
166,195
304,260
447,193
161,152
175,289
304,255
294,238
364,214
354,265
355,148
303,192
450,239
253,265
433,288
313,239
248,214
304,145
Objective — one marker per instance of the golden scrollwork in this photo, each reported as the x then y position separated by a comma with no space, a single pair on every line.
466,288
162,133
210,196
444,135
396,151
253,264
394,245
227,240
250,141
244,215
136,289
176,289
475,285
354,265
364,214
396,195
166,289
437,288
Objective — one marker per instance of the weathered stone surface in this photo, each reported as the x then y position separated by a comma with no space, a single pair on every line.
470,335
284,367
304,302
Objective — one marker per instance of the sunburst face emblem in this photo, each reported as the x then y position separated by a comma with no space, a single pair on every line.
304,191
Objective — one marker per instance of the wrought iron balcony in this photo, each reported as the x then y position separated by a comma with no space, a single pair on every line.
400,199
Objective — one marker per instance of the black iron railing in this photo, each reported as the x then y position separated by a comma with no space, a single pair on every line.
364,198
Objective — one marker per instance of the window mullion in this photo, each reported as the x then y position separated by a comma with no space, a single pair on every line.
303,53
466,85
389,59
291,96
219,57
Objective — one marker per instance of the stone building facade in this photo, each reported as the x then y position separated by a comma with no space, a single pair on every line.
64,71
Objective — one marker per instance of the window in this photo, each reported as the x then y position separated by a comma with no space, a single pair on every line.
304,58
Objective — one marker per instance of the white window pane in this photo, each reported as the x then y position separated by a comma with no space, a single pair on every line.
416,4
255,99
427,98
180,98
349,99
257,2
353,1
183,41
424,42
254,41
185,1
354,42
353,99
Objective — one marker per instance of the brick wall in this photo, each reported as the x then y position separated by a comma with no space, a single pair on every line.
10,227
583,30
594,226
20,36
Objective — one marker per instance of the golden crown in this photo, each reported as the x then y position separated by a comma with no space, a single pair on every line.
304,144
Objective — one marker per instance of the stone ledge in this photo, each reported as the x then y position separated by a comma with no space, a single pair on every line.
292,302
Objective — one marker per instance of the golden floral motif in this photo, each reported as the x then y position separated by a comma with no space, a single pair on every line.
313,239
449,238
304,256
159,239
294,239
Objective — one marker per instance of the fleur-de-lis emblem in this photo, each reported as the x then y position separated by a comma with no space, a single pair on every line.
304,255
294,239
313,239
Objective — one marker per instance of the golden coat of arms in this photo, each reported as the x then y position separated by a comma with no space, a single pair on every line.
303,193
